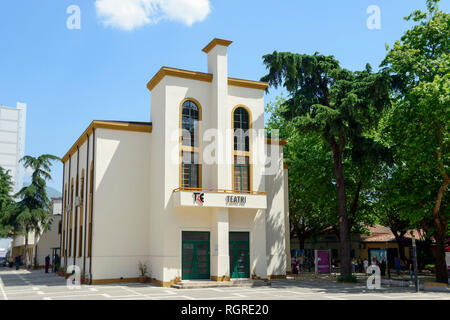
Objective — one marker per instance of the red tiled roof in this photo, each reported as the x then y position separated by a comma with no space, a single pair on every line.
383,234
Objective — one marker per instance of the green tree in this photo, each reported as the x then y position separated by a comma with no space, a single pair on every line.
6,189
417,126
6,200
312,203
32,212
340,106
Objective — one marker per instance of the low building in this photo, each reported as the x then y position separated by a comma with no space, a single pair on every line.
43,244
378,239
191,193
49,241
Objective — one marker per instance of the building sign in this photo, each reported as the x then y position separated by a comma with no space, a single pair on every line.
236,200
323,261
199,198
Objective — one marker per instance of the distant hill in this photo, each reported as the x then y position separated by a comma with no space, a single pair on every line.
51,192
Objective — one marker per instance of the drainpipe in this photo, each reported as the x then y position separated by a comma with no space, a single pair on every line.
86,195
67,217
62,209
76,210
92,203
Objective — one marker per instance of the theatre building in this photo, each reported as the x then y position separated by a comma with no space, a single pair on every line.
199,192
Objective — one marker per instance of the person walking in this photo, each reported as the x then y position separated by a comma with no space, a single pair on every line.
47,263
302,263
366,265
383,267
360,265
411,270
57,263
17,261
397,265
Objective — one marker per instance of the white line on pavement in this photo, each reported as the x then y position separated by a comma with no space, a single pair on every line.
3,290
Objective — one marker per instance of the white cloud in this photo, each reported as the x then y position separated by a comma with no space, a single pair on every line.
131,14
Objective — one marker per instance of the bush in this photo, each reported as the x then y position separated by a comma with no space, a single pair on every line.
347,279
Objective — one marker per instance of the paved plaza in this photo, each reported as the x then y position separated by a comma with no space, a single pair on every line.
36,285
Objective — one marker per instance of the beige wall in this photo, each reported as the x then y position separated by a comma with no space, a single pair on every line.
47,241
122,205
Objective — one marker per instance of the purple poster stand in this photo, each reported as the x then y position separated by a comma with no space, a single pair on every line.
322,261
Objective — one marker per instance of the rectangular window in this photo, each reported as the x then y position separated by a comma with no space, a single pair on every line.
190,169
241,173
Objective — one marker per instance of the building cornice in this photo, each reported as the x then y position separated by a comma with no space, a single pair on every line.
247,83
201,76
215,42
112,125
180,73
281,142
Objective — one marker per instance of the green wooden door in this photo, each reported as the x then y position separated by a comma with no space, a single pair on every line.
195,255
239,255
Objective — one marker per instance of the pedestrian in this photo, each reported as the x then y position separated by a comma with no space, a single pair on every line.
360,265
301,263
411,269
17,261
293,266
397,265
57,263
353,265
47,263
366,265
383,267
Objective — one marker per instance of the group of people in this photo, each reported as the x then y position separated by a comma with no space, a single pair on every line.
301,264
18,262
404,265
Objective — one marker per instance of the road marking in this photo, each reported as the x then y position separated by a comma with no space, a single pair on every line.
2,289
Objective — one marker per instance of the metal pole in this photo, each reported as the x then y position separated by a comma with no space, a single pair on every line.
416,278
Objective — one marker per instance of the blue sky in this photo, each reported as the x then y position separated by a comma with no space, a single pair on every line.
70,77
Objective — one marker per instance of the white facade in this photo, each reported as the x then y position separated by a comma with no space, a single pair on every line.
138,208
12,141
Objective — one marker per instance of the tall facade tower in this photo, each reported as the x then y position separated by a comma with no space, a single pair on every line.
12,141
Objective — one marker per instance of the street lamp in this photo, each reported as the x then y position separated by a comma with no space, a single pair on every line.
416,278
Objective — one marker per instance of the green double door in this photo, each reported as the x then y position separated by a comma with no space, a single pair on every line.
239,255
195,255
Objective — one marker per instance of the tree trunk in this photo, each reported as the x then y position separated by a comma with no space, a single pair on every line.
401,245
26,249
302,243
344,230
440,234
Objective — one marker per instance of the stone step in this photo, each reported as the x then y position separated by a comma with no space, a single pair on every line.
219,284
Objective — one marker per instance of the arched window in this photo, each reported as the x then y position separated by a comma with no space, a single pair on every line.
241,150
190,170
